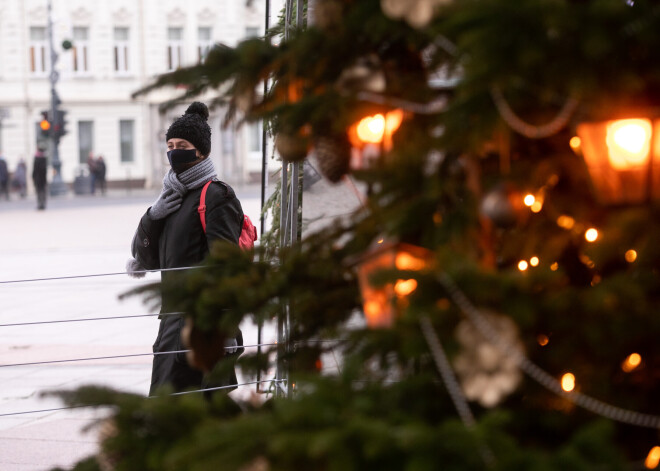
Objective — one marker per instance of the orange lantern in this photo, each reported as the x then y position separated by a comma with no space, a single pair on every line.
376,129
623,159
381,302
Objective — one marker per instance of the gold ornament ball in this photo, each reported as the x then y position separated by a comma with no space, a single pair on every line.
291,147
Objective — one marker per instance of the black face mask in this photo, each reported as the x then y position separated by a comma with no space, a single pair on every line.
180,157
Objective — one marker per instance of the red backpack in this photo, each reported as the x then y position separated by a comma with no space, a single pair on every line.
248,232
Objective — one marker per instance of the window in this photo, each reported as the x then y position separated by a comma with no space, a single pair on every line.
227,140
85,140
254,137
126,139
174,48
121,36
205,42
251,32
80,50
39,60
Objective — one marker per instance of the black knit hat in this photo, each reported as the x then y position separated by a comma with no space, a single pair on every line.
192,127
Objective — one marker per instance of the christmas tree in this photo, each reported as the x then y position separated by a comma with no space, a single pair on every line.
505,259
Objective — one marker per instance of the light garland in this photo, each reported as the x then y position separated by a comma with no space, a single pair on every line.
528,130
537,373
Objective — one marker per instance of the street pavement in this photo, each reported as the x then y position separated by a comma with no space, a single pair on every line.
74,236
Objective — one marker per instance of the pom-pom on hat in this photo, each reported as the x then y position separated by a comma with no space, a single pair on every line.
193,127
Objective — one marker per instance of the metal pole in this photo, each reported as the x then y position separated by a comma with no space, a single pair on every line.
264,147
264,186
288,225
57,186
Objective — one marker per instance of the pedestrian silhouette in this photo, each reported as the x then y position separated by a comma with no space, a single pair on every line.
4,178
39,171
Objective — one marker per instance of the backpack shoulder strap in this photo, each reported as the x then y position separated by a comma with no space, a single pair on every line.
202,206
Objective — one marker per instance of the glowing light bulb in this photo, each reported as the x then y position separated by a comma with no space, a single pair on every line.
393,120
653,458
443,304
575,143
522,265
628,142
537,207
631,362
568,382
372,308
406,261
543,340
529,200
371,129
405,287
631,256
554,266
565,222
534,261
591,235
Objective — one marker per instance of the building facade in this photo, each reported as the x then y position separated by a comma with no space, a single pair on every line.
118,47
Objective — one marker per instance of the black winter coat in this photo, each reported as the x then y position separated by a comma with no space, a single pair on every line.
39,171
179,240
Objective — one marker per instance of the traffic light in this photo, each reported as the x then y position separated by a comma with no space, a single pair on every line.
44,124
44,127
59,124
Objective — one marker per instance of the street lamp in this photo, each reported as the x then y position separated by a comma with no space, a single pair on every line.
623,159
57,186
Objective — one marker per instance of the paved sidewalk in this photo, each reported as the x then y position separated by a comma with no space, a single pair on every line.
73,236
83,236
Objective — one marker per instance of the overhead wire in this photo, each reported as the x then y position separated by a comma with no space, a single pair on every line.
58,409
59,321
94,275
112,357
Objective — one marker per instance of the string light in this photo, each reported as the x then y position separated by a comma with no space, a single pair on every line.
568,382
534,261
631,256
653,459
554,266
537,207
575,143
631,362
591,235
529,200
522,265
443,304
565,222
542,340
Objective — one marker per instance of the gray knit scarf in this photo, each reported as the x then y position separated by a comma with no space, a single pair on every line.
192,178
